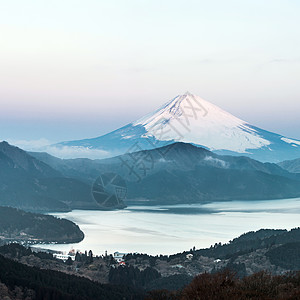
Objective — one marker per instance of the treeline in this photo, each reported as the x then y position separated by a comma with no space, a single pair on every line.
21,225
54,285
225,285
246,243
286,256
16,293
130,276
17,251
264,238
22,282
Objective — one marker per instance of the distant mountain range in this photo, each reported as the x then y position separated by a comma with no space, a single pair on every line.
190,119
183,173
292,166
179,173
30,184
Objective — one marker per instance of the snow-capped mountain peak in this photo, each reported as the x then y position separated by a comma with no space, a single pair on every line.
190,119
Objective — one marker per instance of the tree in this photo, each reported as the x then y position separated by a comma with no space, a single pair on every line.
77,257
69,261
90,256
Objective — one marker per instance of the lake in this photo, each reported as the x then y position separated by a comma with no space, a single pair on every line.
172,229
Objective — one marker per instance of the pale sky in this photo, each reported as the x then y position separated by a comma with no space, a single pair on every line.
77,69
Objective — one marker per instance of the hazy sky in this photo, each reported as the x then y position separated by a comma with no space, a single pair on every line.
76,69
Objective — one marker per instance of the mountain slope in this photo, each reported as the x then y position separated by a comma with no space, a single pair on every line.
49,284
18,159
188,118
85,169
211,184
292,166
188,174
30,184
184,173
178,155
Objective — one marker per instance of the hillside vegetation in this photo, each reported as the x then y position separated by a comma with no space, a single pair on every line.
21,226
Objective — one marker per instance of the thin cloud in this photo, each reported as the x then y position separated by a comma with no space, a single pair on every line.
265,64
77,152
30,145
44,145
284,60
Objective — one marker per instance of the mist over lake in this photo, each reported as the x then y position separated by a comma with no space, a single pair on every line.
172,229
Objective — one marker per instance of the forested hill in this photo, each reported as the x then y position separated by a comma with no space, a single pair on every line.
21,226
33,283
30,184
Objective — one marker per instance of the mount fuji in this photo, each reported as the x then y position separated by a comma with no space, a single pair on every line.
190,119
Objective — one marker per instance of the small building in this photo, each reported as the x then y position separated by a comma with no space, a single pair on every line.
119,256
189,256
63,257
72,252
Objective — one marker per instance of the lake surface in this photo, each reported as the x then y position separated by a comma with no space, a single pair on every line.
172,229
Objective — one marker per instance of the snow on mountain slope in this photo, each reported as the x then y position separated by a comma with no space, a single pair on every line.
190,119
